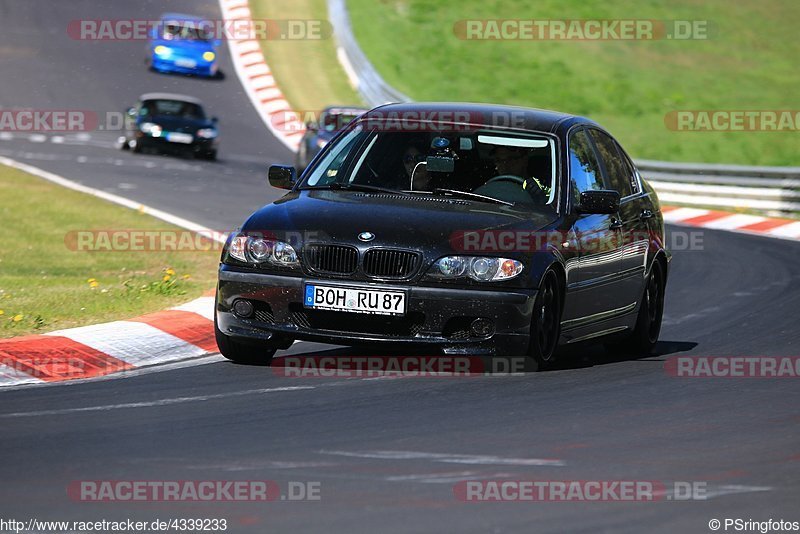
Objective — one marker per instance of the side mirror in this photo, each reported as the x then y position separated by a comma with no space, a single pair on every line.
600,201
131,112
282,176
215,120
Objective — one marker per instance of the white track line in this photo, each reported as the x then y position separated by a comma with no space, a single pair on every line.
150,404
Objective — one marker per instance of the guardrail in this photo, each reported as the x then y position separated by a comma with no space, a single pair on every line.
372,87
771,189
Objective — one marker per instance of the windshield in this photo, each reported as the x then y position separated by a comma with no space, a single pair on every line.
172,108
504,166
184,30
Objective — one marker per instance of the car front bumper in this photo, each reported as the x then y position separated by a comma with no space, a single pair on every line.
198,145
436,318
201,68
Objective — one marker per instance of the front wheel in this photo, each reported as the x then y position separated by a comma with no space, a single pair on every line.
546,322
241,353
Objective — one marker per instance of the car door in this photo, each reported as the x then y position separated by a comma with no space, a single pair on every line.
596,294
631,219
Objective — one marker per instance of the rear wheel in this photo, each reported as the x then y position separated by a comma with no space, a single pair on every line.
648,323
239,352
546,322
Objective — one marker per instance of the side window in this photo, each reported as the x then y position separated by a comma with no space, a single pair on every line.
618,173
633,174
584,169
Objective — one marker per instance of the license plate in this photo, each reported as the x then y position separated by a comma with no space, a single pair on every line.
177,137
186,63
353,299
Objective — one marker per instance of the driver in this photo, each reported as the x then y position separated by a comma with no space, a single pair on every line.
513,161
416,174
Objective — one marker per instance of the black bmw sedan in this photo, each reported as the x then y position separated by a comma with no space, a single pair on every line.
460,228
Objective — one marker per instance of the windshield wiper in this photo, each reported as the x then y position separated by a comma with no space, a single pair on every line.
472,196
357,187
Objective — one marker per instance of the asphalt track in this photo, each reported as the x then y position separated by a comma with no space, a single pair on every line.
387,452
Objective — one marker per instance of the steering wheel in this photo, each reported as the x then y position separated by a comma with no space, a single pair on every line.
506,178
524,184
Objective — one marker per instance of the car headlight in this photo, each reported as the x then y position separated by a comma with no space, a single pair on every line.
209,56
480,268
259,250
151,128
162,50
207,133
321,143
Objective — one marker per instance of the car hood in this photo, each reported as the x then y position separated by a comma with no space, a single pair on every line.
396,220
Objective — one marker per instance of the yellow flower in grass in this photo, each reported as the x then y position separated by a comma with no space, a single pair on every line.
185,276
170,271
90,280
93,284
166,278
17,318
2,312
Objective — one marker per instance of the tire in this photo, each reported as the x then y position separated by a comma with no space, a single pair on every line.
648,322
137,147
241,353
546,322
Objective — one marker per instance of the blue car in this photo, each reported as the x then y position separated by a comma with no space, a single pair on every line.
183,44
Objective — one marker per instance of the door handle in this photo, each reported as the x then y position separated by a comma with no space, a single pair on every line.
616,224
646,214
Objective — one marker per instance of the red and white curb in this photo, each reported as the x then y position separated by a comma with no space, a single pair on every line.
258,82
180,333
733,222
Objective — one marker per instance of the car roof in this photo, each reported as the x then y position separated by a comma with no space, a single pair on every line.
481,115
181,17
170,96
344,109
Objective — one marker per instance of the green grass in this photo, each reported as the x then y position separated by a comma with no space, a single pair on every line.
750,62
45,284
307,71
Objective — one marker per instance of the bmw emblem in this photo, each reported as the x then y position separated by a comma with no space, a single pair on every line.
366,236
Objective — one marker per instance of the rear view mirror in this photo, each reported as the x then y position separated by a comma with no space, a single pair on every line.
440,164
599,201
282,176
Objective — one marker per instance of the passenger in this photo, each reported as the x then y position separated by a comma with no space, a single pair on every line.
415,172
